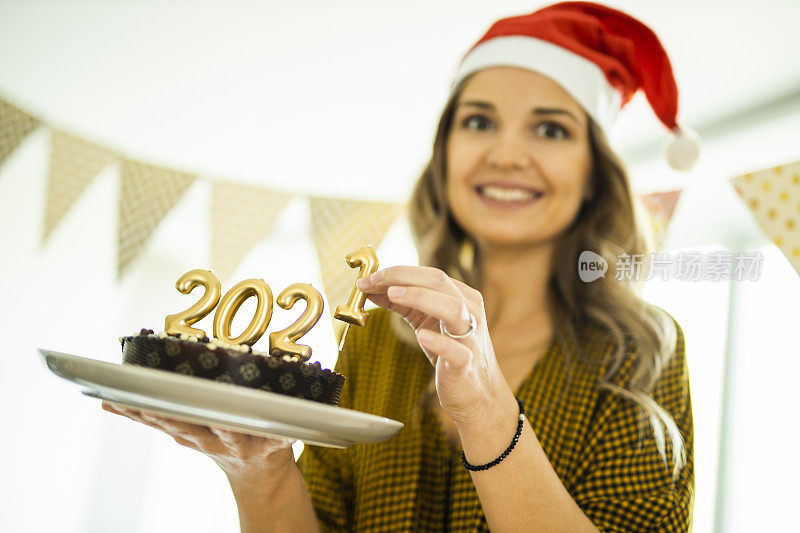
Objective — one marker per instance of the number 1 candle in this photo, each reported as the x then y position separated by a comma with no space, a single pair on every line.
366,260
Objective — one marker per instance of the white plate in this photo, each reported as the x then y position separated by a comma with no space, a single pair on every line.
207,402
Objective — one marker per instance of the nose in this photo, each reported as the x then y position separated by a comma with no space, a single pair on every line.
508,152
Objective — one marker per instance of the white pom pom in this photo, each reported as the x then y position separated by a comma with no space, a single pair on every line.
683,149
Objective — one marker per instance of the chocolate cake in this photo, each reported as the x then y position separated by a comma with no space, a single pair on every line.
233,364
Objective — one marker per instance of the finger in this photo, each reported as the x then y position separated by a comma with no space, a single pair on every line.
451,310
230,438
474,299
139,418
185,442
468,292
412,317
114,411
108,407
183,431
382,300
194,436
136,417
148,420
432,357
423,276
125,411
121,411
193,432
456,355
113,408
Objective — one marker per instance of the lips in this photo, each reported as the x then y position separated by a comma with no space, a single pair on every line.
507,192
509,185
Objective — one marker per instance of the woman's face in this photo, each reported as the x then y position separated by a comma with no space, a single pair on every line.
518,157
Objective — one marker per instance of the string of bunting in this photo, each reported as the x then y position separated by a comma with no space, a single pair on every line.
240,215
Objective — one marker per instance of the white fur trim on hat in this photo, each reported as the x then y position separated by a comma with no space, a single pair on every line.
682,149
581,78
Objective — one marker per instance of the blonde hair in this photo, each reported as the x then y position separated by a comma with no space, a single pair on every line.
608,224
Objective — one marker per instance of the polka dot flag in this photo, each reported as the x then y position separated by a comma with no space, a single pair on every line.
773,196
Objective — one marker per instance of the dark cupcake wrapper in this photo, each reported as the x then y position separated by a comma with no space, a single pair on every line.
227,365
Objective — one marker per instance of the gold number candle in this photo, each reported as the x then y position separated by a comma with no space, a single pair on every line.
231,302
353,312
284,341
181,322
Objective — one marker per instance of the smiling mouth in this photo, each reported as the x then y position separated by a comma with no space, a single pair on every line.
508,194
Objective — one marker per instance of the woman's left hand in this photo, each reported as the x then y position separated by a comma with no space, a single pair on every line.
468,379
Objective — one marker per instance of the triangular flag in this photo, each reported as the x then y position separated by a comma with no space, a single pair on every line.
15,125
147,193
338,227
773,196
74,163
241,215
660,207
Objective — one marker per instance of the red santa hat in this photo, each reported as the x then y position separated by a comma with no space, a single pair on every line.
599,55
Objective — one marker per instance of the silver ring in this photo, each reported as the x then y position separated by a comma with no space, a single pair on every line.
473,325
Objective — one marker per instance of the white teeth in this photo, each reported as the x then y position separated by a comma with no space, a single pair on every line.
507,195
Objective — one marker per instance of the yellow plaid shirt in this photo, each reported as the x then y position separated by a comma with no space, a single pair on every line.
415,480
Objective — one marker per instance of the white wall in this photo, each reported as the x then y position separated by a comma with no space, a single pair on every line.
338,101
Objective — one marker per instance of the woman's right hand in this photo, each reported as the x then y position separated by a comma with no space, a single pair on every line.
241,456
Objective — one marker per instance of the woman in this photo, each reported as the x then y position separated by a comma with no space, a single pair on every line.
532,400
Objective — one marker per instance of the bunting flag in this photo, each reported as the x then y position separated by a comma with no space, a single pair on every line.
660,207
74,164
338,227
241,215
773,196
147,193
15,125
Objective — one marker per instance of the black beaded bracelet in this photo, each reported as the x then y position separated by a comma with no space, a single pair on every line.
505,453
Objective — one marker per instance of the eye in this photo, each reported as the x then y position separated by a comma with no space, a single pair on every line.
475,120
552,130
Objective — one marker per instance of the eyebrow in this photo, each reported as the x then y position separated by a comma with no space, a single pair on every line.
535,111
